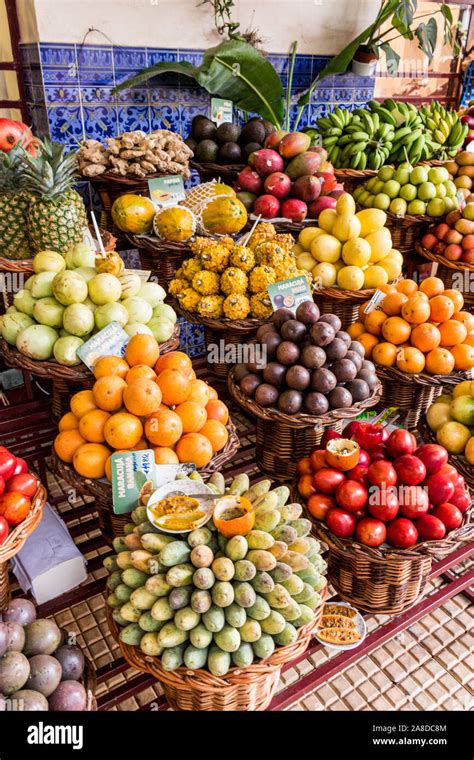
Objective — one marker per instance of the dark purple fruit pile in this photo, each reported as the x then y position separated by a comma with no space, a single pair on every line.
312,365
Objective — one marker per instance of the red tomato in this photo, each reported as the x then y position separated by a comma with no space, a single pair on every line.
430,528
3,530
304,466
350,429
382,473
318,460
383,504
460,499
433,457
401,533
359,473
440,488
371,532
410,470
328,480
7,464
319,504
449,515
2,485
364,458
401,442
413,501
378,452
449,472
20,466
352,495
340,522
305,486
14,507
26,483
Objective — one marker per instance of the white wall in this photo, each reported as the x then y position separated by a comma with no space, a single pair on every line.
320,26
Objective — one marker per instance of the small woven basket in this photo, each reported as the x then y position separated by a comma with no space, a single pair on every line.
454,274
15,540
352,178
226,173
281,439
161,257
241,689
111,186
344,303
457,460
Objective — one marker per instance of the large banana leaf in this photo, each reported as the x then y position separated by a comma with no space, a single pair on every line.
234,70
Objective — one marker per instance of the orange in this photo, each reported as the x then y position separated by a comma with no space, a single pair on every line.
407,286
82,402
140,371
91,425
439,361
456,297
164,427
470,339
142,349
174,360
196,448
463,356
368,341
192,375
89,460
68,422
164,455
355,330
392,304
362,309
198,391
396,330
108,392
432,286
216,432
142,397
385,354
142,444
374,321
108,464
452,332
416,310
174,386
217,410
425,337
123,431
387,289
212,392
110,365
466,318
441,309
410,360
193,416
66,443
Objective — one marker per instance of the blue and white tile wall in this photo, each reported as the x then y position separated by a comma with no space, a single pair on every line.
69,94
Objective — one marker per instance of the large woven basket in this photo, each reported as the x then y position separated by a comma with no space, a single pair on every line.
112,525
406,230
111,186
15,540
281,439
241,689
457,460
344,303
161,257
226,173
455,274
352,178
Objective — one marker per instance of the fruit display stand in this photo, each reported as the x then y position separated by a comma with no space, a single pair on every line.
111,186
344,303
226,173
161,257
458,460
242,689
450,271
282,439
352,178
405,230
15,540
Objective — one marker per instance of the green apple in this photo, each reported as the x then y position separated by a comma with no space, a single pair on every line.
436,207
408,192
378,187
386,173
364,197
110,312
448,204
451,188
417,208
382,201
402,173
438,174
426,191
441,191
392,188
419,175
24,302
371,184
42,284
398,207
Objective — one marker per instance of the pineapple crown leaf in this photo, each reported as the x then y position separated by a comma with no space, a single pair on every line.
12,170
52,171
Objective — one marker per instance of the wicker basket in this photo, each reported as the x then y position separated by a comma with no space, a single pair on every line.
15,540
112,525
454,274
457,460
352,178
161,257
344,303
241,689
281,439
226,173
406,230
111,186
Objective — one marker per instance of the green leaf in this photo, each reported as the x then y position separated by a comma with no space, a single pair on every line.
393,59
401,28
404,13
447,13
178,67
427,35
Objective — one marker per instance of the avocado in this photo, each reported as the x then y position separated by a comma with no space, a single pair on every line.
227,133
206,151
204,129
250,148
230,153
191,143
253,131
268,127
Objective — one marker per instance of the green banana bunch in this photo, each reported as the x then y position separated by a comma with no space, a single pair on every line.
445,133
356,139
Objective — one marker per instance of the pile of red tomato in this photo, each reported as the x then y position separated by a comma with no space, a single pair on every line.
395,492
17,488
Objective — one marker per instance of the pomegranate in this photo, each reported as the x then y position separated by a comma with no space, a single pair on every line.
13,131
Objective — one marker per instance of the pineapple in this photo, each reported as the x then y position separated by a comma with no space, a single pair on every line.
234,281
206,283
14,201
56,215
211,307
261,277
236,307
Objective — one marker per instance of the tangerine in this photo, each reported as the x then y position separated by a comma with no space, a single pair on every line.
212,392
410,360
140,446
432,286
416,310
66,443
387,288
68,422
193,416
165,455
110,365
108,392
439,361
164,427
82,402
356,330
89,460
373,322
466,318
452,332
174,386
392,304
196,448
408,287
217,410
385,354
192,375
123,431
108,464
217,433
463,356
142,397
456,297
368,342
362,315
142,349
175,360
140,371
425,337
441,308
396,330
470,339
91,425
198,391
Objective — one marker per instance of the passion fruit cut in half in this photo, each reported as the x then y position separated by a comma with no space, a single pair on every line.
342,454
233,516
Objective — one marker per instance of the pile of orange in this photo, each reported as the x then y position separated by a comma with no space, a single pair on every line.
142,401
418,329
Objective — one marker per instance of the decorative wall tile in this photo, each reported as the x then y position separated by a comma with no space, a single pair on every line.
133,117
160,55
65,123
100,121
59,76
195,340
95,57
129,58
57,55
99,94
164,117
192,56
60,94
135,95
